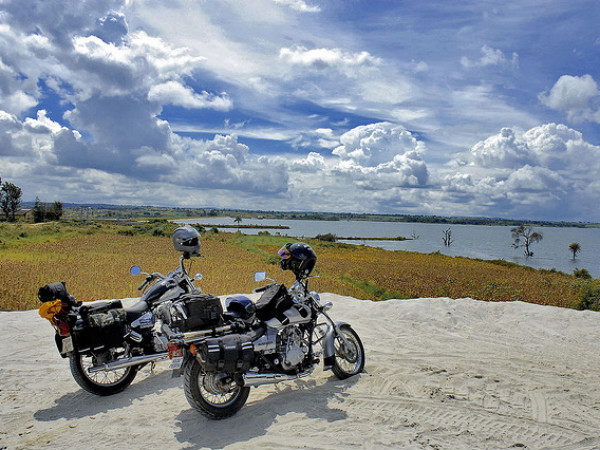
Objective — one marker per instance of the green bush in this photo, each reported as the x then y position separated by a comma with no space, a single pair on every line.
582,273
328,237
590,297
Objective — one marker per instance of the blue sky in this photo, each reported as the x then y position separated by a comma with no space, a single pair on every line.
470,108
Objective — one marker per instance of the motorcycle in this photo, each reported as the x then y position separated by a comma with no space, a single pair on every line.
276,339
107,344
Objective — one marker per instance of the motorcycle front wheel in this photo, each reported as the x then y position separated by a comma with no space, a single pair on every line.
105,382
349,358
214,395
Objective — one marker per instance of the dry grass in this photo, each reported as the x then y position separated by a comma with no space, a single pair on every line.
410,275
96,266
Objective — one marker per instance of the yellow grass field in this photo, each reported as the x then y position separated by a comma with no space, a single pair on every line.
95,265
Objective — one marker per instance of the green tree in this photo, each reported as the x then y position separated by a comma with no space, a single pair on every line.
238,220
10,200
575,248
57,210
524,236
39,211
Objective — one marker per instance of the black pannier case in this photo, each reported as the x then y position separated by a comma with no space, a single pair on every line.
230,354
273,302
102,326
203,311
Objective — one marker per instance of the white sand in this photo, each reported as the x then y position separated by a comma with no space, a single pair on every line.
440,374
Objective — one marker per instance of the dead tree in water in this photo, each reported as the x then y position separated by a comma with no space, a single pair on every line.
447,237
524,236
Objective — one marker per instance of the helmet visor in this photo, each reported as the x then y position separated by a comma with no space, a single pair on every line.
190,242
284,253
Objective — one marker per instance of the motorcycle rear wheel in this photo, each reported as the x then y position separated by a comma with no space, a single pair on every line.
349,361
100,383
213,395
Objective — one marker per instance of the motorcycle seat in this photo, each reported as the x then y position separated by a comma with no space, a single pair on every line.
136,310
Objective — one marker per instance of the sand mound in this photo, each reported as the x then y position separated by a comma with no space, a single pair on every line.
440,373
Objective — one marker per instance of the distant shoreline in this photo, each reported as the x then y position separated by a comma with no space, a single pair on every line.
276,227
132,212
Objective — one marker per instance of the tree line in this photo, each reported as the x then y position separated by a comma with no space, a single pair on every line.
10,203
10,199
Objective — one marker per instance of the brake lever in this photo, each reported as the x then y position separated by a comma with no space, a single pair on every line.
148,279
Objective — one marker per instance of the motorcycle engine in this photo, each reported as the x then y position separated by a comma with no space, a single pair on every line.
293,347
285,348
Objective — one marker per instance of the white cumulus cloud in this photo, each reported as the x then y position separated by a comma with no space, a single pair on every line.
175,93
547,171
299,5
323,58
491,57
578,97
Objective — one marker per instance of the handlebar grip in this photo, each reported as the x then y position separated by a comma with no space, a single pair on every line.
260,289
141,286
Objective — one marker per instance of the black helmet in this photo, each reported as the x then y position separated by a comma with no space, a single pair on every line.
299,257
187,240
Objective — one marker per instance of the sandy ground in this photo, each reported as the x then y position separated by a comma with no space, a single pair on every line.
440,374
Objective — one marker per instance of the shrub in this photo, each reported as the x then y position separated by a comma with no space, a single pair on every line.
328,237
582,273
590,297
158,232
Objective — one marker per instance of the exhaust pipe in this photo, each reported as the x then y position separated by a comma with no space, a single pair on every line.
257,379
128,362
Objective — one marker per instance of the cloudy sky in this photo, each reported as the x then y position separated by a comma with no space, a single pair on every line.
454,108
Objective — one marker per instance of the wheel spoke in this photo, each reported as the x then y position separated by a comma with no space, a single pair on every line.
348,354
104,377
216,391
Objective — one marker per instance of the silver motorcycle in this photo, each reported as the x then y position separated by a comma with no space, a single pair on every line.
107,343
278,338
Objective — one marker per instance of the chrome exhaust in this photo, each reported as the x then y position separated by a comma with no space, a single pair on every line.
128,362
257,379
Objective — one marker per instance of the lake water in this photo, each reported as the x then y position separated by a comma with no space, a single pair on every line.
473,241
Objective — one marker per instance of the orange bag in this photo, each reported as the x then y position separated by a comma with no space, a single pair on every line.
49,309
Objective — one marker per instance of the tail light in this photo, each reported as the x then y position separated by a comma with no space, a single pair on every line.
175,350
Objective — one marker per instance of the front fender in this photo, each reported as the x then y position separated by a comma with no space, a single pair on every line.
329,344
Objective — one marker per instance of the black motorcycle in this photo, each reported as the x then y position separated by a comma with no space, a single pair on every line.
107,343
278,338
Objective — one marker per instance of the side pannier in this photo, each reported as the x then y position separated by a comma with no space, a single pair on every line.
102,326
202,310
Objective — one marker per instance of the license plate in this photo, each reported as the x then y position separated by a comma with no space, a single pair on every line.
176,363
67,345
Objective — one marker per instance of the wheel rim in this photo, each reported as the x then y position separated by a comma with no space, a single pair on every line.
217,389
103,377
348,359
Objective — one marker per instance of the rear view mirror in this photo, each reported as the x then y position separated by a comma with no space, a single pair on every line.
135,270
260,276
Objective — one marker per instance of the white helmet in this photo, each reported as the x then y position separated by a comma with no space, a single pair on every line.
187,240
